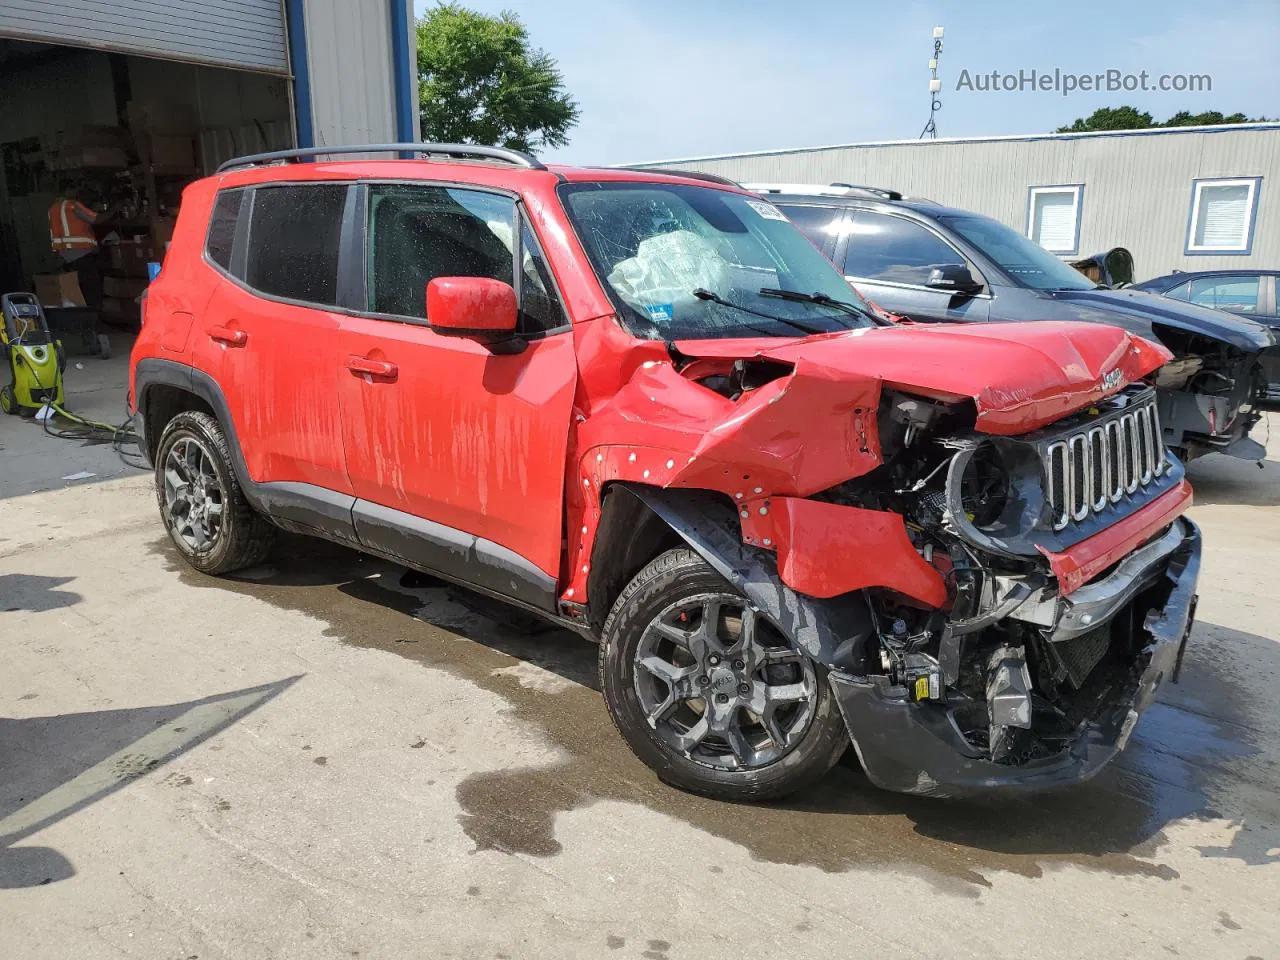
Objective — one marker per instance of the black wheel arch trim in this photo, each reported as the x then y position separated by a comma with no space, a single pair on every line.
832,632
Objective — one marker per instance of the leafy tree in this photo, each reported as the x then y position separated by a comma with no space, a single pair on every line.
481,81
1131,118
1210,118
1111,118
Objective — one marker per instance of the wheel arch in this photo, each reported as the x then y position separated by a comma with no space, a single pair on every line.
164,388
639,522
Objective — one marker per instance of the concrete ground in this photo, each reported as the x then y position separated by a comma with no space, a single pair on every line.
317,760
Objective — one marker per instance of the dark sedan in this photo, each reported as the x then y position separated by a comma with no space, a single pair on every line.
1246,293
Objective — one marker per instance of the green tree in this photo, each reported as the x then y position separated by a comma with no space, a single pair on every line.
1111,118
481,81
1131,118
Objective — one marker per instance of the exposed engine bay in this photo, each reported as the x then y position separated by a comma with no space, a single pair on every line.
1018,669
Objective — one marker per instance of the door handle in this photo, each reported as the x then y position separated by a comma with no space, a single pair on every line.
382,369
227,335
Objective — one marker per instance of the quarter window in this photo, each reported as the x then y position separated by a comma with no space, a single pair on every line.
1053,217
418,233
294,238
893,249
222,227
1222,215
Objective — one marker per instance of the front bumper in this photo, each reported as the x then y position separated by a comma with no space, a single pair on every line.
918,748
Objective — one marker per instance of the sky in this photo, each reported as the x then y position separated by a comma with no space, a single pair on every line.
670,79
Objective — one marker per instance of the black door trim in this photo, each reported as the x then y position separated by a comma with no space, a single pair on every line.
453,554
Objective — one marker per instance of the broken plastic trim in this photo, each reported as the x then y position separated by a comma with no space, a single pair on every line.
917,748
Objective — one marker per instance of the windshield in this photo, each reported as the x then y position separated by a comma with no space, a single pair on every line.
1026,262
686,262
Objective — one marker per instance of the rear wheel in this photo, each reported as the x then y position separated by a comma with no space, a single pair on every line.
708,692
8,401
203,507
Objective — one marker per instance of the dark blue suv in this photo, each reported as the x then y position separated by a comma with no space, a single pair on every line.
931,263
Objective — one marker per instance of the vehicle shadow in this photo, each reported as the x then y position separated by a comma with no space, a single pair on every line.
1218,479
55,766
1202,752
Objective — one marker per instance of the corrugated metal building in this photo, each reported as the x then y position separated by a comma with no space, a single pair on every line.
141,96
1192,198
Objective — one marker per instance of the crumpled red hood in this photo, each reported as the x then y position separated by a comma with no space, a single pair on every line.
1021,376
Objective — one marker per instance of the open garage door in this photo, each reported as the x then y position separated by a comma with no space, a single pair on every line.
241,34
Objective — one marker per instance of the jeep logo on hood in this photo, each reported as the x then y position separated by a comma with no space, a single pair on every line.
1111,379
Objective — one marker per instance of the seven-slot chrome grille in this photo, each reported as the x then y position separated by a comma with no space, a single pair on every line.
1100,464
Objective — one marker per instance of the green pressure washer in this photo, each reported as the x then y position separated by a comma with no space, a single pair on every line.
35,360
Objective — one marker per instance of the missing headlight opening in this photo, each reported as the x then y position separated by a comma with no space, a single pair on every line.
1018,666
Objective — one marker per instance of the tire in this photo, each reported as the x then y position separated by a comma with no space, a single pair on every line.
8,401
679,591
213,541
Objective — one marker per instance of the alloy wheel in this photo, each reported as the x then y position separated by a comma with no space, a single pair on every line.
193,496
721,685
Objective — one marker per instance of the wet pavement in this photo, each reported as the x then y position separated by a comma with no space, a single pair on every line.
323,756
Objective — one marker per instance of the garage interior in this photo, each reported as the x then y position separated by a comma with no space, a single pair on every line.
129,132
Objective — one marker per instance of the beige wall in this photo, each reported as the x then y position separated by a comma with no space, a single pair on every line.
1137,190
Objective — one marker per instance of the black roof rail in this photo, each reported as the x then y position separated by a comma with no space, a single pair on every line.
873,191
517,157
689,174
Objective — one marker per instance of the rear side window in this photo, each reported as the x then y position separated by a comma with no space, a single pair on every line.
820,224
294,239
418,233
222,227
1233,294
893,249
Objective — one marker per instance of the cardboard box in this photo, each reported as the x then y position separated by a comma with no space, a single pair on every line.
77,158
129,257
58,290
169,152
125,288
161,117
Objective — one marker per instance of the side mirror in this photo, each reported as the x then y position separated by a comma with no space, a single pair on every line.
474,307
953,278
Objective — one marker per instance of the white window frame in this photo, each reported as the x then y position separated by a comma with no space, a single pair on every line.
1077,204
1245,245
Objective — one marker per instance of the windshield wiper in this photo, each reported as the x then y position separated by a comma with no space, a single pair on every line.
704,294
821,298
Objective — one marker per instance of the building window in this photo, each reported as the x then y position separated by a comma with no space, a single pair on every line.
1222,215
1053,217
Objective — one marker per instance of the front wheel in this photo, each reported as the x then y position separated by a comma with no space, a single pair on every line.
709,693
8,401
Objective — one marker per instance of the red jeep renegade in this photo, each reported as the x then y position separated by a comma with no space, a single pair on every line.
642,405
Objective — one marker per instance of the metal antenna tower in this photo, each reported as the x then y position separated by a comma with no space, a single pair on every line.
935,87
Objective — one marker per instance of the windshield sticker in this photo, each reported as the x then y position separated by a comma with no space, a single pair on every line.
660,312
766,210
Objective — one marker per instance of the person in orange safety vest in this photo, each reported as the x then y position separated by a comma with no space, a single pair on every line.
72,236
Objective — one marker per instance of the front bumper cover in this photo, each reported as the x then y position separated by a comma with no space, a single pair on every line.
917,748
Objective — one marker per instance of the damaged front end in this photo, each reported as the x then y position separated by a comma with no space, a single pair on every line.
1070,579
1211,395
